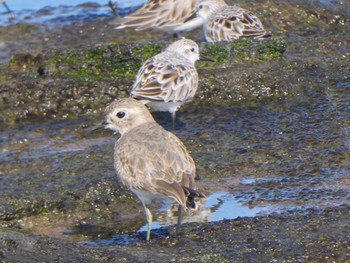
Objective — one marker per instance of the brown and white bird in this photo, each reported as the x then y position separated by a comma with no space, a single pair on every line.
167,15
169,79
150,161
222,22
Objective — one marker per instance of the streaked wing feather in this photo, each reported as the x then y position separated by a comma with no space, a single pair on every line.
157,81
233,24
148,165
171,189
156,14
252,25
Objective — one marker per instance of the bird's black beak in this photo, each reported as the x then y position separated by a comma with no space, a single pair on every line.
204,58
194,15
100,126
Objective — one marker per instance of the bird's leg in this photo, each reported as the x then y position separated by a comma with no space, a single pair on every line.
176,36
149,222
173,116
179,219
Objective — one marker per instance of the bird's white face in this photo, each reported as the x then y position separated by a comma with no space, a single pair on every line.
203,10
118,119
187,48
123,117
190,51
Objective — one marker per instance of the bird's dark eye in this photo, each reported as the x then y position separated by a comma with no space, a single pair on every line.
121,114
192,49
200,7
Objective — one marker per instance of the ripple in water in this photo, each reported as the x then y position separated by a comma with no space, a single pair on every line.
61,12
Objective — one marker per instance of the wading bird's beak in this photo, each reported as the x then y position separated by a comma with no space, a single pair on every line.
100,126
204,58
193,16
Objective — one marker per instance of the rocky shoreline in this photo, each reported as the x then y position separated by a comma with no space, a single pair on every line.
273,111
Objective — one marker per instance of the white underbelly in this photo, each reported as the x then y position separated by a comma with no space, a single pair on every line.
164,106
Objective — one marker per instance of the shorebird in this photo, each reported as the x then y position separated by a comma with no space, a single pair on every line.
222,22
167,15
169,79
150,161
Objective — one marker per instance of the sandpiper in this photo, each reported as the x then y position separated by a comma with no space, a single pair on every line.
169,79
222,22
167,15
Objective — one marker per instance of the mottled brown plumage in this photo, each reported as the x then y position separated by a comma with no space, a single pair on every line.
150,161
166,15
169,79
222,22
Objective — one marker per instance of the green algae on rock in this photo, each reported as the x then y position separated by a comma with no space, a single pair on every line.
245,49
63,83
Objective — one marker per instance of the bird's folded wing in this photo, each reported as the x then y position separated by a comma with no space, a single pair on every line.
165,82
158,14
233,25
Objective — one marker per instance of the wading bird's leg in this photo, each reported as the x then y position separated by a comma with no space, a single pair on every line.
149,222
173,116
179,219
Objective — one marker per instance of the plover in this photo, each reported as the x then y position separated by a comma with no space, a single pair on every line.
150,161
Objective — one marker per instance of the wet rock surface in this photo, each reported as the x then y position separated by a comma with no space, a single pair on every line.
269,126
295,236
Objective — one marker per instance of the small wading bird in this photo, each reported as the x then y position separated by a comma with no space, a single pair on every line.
167,15
169,79
222,22
152,162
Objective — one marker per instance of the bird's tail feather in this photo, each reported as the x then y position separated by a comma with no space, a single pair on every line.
191,195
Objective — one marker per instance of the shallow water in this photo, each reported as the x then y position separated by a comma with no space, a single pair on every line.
62,12
218,206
